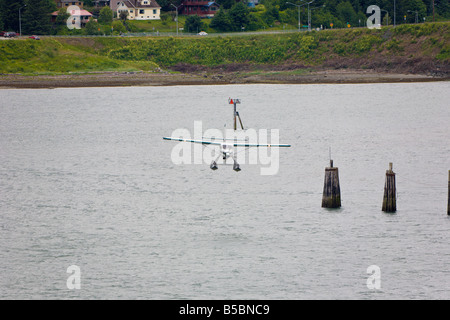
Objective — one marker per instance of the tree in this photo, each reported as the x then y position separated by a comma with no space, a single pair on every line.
61,20
346,13
193,24
324,18
123,16
2,9
271,14
226,4
36,18
166,5
255,22
106,16
331,6
239,16
221,21
9,13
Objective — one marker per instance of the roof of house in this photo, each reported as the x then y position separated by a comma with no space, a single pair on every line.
75,13
140,4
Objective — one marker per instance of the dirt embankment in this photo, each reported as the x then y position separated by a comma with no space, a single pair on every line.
229,74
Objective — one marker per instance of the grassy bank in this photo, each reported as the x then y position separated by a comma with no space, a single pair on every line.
422,48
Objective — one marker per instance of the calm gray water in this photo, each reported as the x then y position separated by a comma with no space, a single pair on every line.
86,180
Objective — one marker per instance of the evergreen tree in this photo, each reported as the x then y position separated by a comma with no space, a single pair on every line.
193,24
239,16
36,18
346,13
331,6
226,4
9,12
221,21
61,19
2,4
166,5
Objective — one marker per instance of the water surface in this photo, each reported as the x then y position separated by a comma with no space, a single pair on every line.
86,180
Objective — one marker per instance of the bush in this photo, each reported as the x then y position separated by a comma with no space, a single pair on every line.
255,22
306,46
92,28
118,27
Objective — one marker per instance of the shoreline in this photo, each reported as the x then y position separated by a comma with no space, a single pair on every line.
126,79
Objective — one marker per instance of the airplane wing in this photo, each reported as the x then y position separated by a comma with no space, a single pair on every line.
193,141
262,145
247,145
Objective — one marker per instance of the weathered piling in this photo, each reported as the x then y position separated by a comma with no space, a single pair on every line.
389,199
331,190
448,204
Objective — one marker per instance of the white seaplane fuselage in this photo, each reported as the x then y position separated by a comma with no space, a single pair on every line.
227,150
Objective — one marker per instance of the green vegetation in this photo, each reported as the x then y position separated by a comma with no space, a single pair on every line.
309,49
51,56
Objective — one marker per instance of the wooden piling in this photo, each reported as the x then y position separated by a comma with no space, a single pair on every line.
331,190
389,199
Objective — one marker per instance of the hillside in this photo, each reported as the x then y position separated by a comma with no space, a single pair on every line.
422,49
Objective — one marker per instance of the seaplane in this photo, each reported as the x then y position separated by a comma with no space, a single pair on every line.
228,146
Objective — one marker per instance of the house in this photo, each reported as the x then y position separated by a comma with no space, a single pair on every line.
139,9
101,3
82,16
114,4
199,8
252,3
67,3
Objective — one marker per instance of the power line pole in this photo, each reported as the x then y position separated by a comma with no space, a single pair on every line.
433,10
20,20
394,14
